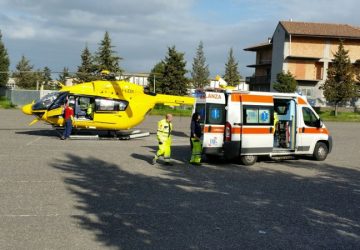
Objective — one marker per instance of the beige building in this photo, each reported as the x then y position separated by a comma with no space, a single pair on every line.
306,50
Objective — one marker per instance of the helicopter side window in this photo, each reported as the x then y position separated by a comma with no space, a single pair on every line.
110,105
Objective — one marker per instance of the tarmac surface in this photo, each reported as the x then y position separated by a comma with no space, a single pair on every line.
105,194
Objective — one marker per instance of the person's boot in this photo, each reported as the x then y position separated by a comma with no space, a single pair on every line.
154,160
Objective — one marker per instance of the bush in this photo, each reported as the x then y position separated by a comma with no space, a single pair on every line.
5,103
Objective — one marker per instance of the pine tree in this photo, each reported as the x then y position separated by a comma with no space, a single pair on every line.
63,75
157,75
174,82
200,70
106,58
46,77
4,63
232,76
340,85
24,75
86,71
286,83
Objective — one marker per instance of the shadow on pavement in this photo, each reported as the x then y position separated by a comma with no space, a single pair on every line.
40,132
215,207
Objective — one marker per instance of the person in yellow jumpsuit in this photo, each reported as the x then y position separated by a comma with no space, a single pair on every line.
90,110
164,139
195,135
276,136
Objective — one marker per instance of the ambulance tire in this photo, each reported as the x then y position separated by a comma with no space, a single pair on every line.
321,151
248,160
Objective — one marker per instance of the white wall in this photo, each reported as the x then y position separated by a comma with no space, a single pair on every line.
280,46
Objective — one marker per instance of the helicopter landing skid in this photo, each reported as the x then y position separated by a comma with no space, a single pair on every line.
127,135
110,135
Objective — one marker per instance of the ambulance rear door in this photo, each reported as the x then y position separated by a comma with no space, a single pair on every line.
214,123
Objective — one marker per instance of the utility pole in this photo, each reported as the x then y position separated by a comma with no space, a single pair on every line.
154,83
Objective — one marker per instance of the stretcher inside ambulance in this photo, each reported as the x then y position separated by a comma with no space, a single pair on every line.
246,125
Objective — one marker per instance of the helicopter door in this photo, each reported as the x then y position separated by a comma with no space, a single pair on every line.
84,109
57,107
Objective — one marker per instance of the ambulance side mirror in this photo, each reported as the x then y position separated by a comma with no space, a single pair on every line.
318,123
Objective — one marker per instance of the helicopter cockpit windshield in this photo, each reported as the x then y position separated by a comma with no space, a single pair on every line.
46,101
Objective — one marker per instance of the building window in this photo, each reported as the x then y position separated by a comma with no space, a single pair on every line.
307,91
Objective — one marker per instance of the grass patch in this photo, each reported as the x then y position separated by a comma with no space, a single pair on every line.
5,103
176,111
341,117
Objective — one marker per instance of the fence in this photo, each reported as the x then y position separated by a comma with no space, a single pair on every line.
20,97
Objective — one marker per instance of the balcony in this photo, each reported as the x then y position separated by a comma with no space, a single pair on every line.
258,80
260,63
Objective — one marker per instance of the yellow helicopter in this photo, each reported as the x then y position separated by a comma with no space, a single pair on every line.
114,105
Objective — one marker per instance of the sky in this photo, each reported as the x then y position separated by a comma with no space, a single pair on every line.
53,33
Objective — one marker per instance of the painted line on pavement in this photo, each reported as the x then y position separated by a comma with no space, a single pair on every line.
35,140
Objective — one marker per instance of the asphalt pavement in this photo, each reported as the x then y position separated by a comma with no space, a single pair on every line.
105,194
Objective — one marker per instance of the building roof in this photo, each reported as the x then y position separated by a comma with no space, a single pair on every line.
321,29
259,46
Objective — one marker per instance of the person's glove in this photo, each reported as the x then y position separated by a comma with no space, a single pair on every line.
160,142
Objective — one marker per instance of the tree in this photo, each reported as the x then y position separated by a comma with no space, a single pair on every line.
86,71
45,77
200,70
286,83
174,81
24,75
340,85
232,76
157,75
63,75
4,64
106,58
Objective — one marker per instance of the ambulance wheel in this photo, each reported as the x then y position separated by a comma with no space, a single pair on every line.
321,151
248,159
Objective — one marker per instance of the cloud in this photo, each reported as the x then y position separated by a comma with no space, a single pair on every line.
142,30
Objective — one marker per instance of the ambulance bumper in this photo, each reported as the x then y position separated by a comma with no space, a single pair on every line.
231,150
212,151
330,140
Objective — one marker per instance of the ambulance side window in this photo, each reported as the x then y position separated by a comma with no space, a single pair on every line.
310,118
258,115
215,113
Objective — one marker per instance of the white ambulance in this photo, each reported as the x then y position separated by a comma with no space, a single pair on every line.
238,124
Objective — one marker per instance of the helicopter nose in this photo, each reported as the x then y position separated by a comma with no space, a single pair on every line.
27,109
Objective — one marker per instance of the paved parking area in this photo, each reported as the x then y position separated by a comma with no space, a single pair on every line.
87,194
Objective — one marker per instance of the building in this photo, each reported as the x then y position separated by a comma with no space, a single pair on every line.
137,78
11,84
306,50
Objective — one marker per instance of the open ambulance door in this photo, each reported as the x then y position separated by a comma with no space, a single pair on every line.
257,130
212,112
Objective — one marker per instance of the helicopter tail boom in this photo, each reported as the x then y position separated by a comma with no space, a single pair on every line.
172,100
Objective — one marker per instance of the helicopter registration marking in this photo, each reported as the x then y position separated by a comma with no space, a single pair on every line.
129,91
